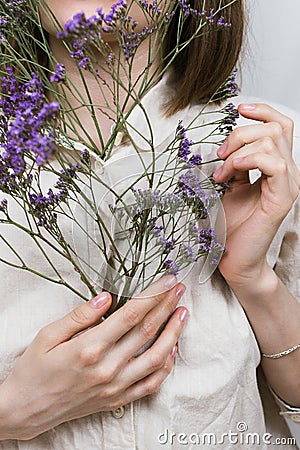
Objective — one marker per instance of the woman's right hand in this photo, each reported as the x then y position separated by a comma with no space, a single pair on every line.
64,375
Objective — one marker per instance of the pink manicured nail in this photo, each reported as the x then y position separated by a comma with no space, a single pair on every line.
248,106
222,149
180,291
218,171
169,281
174,351
99,301
183,315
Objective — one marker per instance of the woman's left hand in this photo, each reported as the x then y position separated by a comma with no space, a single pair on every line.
255,211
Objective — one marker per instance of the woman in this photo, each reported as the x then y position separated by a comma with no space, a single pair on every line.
212,386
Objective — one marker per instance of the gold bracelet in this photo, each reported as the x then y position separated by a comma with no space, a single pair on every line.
281,354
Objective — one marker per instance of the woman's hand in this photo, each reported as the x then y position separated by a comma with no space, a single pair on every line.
254,211
64,375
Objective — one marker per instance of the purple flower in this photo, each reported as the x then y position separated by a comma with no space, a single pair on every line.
59,75
116,12
171,267
167,245
84,62
187,253
229,88
82,32
16,12
85,157
43,207
223,24
195,160
231,114
194,195
219,21
131,39
184,144
3,206
151,8
187,9
26,116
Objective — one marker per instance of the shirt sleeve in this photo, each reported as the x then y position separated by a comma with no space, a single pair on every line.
287,268
291,416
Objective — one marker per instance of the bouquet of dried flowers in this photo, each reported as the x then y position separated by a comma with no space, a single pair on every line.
120,223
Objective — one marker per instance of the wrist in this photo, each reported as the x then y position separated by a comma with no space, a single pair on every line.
12,416
6,415
258,287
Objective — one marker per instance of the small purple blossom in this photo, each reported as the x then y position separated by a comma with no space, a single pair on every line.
228,122
187,9
171,267
84,62
16,12
3,206
84,32
85,157
168,16
130,39
151,8
26,116
195,160
43,207
117,11
221,23
229,88
59,75
192,189
184,143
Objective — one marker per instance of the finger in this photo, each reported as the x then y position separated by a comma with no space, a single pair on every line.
282,189
248,134
149,327
77,320
132,313
227,170
155,357
150,384
265,113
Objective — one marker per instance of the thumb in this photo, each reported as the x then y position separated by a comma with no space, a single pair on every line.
77,320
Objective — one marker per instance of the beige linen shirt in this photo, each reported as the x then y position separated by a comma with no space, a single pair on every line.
211,399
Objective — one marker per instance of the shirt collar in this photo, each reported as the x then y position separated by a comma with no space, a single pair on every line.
144,124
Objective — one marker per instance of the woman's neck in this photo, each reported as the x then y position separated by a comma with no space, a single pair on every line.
106,95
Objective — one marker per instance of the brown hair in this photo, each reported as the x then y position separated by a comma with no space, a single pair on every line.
201,68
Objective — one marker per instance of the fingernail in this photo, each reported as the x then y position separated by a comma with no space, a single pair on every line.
222,149
99,301
180,291
174,351
183,315
170,281
248,106
218,172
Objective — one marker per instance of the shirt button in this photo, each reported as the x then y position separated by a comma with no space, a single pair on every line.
119,138
118,413
294,417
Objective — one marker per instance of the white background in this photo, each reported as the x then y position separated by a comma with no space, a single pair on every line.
271,60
